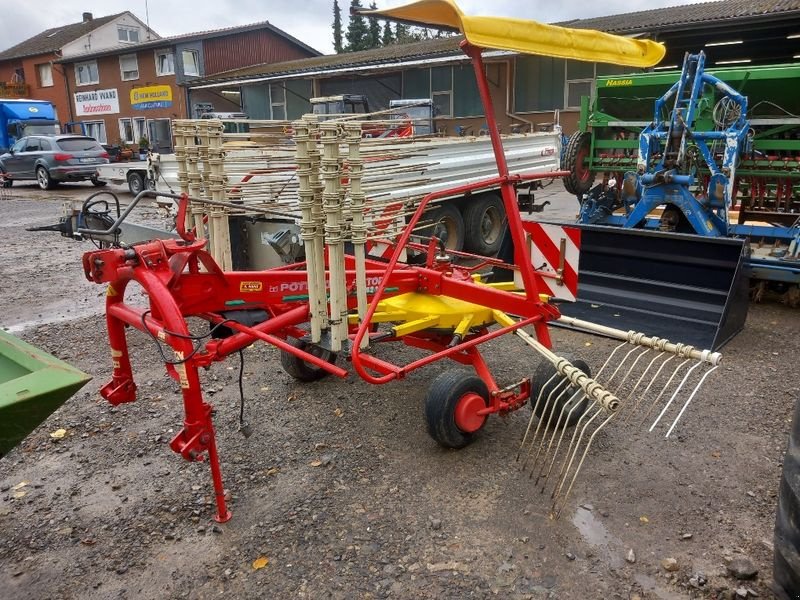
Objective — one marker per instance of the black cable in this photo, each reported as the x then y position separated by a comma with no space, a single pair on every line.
196,348
241,389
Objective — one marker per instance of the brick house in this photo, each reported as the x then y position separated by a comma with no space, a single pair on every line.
29,69
120,95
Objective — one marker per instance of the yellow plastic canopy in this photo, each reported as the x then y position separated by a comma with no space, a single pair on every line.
528,37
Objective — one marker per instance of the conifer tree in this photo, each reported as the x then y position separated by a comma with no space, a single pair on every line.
337,27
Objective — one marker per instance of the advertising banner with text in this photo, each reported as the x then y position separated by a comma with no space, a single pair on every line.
98,102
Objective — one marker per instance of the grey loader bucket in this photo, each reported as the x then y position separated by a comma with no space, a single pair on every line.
686,288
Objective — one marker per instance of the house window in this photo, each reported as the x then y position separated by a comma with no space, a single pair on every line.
191,63
97,130
126,131
165,62
128,34
277,101
86,73
580,76
129,67
45,73
442,90
132,130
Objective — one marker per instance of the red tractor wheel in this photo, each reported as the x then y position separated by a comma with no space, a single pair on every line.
452,405
580,178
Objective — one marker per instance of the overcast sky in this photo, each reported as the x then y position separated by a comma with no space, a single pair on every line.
307,20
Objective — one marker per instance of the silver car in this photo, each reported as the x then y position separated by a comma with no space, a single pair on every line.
53,159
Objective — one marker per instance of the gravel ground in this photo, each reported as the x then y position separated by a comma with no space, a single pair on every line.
342,490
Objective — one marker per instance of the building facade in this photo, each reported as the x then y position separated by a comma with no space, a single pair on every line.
30,69
529,92
120,96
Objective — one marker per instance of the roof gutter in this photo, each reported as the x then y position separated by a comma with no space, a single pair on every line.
373,67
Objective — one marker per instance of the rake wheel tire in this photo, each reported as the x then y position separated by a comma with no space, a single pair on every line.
302,370
484,224
786,561
449,390
540,379
580,178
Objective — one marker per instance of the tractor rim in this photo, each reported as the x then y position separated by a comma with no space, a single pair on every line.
466,414
491,225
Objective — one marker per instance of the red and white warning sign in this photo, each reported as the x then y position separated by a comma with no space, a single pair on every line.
555,251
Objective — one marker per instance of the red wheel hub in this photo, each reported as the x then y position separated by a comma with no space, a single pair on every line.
580,163
466,414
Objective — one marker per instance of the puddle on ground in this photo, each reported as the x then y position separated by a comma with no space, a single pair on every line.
596,535
613,550
650,585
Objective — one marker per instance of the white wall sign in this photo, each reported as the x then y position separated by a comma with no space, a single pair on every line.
99,102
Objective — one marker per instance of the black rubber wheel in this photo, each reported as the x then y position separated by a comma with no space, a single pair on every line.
43,178
786,562
541,376
98,182
453,398
135,183
484,223
300,369
580,178
449,224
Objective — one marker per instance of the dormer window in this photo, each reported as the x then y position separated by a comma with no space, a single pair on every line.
128,35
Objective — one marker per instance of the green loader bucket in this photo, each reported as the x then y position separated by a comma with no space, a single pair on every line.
685,288
33,384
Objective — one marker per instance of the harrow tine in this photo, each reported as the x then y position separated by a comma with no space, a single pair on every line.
627,380
631,412
578,468
674,394
688,400
533,414
539,424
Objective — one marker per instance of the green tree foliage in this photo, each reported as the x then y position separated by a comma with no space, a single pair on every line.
358,35
337,27
374,30
387,38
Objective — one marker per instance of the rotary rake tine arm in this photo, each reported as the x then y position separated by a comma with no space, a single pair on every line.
618,387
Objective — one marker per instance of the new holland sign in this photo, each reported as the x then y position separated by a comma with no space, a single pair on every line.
154,96
98,102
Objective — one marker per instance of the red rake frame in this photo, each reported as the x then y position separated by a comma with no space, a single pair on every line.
169,272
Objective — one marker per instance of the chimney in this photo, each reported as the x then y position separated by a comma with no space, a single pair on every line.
87,16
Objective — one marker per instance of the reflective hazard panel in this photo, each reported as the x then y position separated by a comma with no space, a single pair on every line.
554,252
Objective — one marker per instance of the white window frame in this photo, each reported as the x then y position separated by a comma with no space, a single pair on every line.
158,54
277,97
567,82
124,138
139,128
122,70
102,138
89,63
128,31
47,68
196,55
448,93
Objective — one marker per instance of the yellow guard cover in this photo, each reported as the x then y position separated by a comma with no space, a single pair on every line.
528,37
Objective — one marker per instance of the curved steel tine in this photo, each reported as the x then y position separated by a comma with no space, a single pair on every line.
664,388
631,412
618,391
622,362
608,360
539,424
691,396
580,465
674,394
558,424
567,465
533,413
549,412
560,439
